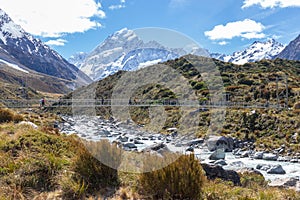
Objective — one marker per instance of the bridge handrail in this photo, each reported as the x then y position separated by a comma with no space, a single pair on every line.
141,102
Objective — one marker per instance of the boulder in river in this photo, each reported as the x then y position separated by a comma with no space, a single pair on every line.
216,171
270,156
220,162
220,142
136,141
123,139
284,182
160,148
217,155
129,145
191,149
263,167
258,155
195,142
277,169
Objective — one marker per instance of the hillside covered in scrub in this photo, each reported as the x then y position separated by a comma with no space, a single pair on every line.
267,82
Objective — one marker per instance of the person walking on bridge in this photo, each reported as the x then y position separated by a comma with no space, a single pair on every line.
42,102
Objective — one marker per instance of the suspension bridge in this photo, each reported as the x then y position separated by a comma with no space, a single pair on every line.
88,103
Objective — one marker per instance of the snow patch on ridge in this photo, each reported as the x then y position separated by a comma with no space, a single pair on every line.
14,66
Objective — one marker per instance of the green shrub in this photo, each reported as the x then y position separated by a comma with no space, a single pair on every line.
199,85
245,81
182,179
253,180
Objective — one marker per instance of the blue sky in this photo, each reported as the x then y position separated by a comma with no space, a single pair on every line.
223,26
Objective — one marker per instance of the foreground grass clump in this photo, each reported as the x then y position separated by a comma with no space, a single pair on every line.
182,179
221,190
7,115
33,162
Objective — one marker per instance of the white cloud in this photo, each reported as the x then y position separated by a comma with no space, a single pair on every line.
246,29
54,18
58,42
271,3
222,43
119,6
116,7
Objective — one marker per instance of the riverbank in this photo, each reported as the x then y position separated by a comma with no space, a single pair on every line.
131,137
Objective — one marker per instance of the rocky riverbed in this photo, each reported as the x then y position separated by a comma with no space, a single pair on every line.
227,152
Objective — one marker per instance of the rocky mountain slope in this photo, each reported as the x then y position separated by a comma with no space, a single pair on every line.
22,49
14,79
292,51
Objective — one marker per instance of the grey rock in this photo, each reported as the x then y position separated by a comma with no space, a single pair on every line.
250,170
178,145
137,142
129,145
263,167
220,162
216,171
217,155
237,164
284,159
155,147
191,149
284,182
245,154
294,161
270,156
105,133
195,142
123,139
220,142
258,155
277,169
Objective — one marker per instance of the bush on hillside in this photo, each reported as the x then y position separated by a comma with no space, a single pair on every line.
182,179
7,115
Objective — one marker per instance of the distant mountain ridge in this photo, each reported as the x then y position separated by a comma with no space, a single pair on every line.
78,58
255,52
20,48
124,50
291,51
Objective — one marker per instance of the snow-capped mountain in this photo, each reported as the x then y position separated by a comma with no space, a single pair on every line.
255,52
124,50
219,56
292,51
19,47
78,58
